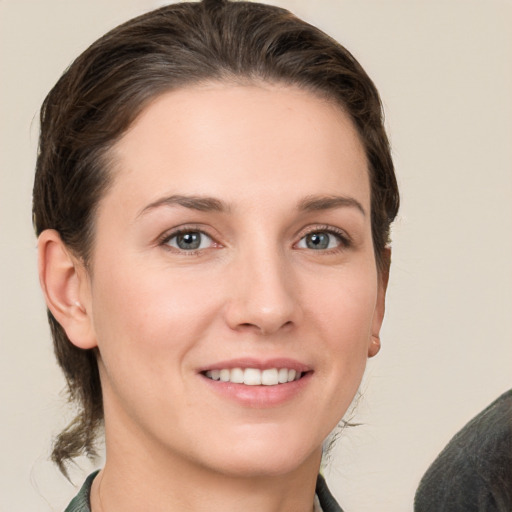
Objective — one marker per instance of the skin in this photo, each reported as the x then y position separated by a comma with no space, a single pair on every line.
273,157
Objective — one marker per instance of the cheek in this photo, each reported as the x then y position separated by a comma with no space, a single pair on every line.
149,312
147,328
344,305
343,314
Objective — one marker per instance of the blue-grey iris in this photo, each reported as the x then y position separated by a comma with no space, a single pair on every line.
317,240
189,241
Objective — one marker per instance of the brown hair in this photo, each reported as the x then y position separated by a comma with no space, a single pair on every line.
106,87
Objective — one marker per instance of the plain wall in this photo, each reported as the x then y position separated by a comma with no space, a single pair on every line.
444,70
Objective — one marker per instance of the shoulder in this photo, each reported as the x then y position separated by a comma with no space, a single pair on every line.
475,467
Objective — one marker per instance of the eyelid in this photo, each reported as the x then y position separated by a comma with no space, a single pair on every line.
163,240
342,235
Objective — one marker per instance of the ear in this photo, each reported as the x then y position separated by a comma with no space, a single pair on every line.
65,285
378,315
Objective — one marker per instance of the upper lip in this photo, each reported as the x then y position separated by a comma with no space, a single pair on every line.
260,364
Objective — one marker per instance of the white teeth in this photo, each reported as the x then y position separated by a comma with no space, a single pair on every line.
254,376
282,375
237,376
269,377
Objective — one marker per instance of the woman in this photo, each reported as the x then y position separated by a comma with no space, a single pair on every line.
213,198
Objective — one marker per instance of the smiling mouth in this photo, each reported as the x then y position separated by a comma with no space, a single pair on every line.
255,376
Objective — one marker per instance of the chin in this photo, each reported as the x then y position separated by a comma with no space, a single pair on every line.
267,456
263,466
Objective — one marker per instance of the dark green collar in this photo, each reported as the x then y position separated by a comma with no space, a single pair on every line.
80,503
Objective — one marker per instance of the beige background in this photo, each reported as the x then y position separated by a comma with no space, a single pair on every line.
444,69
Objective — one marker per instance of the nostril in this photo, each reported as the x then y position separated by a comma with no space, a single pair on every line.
252,313
264,329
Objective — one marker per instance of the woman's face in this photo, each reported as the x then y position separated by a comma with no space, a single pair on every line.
235,244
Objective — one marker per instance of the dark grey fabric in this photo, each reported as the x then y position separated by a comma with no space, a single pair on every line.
80,502
474,472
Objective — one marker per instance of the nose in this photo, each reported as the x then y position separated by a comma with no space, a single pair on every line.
263,294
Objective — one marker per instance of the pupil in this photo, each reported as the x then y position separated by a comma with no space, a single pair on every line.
318,241
189,241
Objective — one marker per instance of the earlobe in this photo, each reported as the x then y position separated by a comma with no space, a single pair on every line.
380,307
374,347
66,289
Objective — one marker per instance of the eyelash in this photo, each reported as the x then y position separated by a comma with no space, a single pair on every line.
343,239
167,237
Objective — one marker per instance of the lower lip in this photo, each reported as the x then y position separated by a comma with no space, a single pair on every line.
259,397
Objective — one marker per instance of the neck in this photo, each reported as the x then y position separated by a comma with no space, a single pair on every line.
143,478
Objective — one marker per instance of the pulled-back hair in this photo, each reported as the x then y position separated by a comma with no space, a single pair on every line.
105,89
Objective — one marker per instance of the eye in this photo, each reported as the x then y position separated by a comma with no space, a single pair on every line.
189,241
321,241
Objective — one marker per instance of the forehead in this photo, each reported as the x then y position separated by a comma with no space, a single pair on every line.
237,140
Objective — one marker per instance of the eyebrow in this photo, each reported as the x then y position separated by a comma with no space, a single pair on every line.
209,204
201,203
316,203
